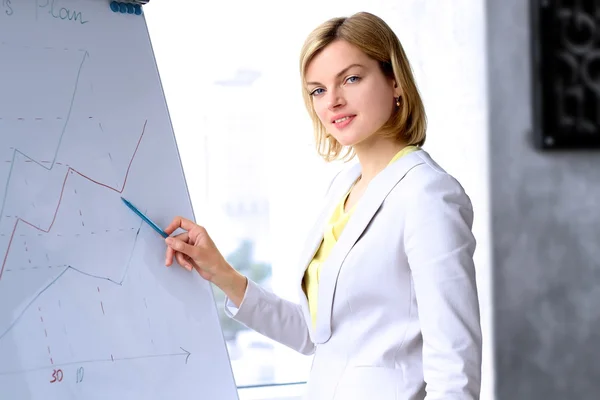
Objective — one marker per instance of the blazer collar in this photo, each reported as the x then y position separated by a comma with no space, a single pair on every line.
365,210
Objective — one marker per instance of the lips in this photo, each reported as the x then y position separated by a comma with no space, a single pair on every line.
341,121
341,118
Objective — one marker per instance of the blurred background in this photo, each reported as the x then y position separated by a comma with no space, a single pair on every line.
511,89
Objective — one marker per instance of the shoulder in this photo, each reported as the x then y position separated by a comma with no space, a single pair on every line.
429,179
427,192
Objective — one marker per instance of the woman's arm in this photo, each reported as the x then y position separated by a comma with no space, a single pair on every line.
272,316
440,246
251,305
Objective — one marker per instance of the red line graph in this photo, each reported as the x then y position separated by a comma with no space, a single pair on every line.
71,170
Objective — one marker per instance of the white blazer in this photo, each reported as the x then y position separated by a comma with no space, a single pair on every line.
398,313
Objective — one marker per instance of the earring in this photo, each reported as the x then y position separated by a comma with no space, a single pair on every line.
398,101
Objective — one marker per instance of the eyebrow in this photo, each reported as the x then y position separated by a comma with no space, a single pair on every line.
342,72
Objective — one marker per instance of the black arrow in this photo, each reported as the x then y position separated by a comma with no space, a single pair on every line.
185,353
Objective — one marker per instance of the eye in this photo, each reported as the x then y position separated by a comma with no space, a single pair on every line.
316,92
353,79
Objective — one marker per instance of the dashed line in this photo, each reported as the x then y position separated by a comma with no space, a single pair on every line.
24,235
101,303
149,325
34,118
40,162
46,334
42,48
27,251
35,267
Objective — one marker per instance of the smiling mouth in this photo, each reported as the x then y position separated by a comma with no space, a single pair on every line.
337,121
343,122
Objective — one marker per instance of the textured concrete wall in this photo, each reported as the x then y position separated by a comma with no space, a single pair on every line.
545,232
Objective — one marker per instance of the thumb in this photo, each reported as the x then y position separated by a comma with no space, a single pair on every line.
182,247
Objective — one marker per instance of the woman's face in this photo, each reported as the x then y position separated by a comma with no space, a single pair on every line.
351,95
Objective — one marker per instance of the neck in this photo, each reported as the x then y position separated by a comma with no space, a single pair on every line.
375,156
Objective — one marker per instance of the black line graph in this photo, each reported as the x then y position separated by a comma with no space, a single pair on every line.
57,149
70,172
67,269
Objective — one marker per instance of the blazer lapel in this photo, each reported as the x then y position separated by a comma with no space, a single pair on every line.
366,208
315,236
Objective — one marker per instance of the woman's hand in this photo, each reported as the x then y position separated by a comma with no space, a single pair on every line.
194,249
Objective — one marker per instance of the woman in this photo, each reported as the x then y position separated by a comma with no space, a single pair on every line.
387,281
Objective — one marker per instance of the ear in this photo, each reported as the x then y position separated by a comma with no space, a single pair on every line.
397,89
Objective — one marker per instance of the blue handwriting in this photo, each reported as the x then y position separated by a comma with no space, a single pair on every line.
62,13
7,7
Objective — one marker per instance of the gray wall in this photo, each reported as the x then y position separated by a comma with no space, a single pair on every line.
546,236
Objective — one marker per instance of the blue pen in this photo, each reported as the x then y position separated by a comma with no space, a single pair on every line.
146,219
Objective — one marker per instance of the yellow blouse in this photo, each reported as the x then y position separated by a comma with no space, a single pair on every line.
333,230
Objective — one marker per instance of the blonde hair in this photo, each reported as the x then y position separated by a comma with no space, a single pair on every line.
377,40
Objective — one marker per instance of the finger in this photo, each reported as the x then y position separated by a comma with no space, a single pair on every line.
180,246
179,222
170,252
184,237
193,264
169,256
183,260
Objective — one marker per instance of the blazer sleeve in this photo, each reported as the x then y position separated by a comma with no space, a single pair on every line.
272,316
439,246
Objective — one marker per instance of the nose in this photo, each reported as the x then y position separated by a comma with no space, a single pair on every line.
335,100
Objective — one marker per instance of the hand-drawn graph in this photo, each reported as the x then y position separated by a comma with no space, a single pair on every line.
85,299
66,189
70,172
